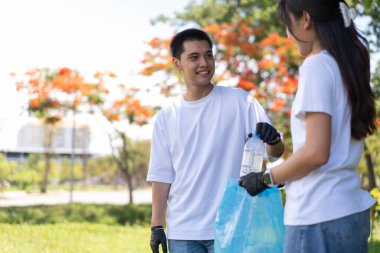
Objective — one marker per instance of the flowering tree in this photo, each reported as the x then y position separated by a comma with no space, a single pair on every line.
121,107
52,94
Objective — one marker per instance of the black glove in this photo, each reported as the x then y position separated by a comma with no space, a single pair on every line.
158,237
267,133
253,183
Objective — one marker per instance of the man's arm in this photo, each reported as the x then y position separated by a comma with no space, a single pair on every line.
160,192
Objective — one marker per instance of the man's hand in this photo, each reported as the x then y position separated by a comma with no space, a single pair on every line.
267,133
253,183
158,237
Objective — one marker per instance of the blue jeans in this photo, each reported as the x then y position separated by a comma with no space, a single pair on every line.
184,246
348,234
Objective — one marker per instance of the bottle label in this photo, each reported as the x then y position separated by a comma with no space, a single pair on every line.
253,156
251,163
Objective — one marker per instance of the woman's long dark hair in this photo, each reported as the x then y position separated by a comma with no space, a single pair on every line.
350,50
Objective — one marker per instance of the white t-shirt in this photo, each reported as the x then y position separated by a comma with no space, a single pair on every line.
333,190
196,147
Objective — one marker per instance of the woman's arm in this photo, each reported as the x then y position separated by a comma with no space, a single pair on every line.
312,155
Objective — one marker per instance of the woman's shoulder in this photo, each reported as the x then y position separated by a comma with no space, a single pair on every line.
323,58
321,63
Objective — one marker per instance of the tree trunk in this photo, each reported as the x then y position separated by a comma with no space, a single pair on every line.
370,170
48,143
72,159
130,189
2,186
85,171
45,181
122,161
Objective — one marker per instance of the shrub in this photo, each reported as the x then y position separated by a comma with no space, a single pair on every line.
93,213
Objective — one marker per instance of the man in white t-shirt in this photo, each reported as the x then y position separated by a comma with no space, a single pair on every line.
197,145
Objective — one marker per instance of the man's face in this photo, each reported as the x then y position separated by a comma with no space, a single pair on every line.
196,63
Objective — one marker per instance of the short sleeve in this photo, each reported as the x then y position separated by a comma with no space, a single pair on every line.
160,165
315,87
256,113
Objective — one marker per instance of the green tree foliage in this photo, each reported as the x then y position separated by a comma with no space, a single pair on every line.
202,13
139,160
102,170
370,9
261,13
6,169
28,175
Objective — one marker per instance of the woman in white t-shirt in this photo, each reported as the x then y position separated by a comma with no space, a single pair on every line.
332,113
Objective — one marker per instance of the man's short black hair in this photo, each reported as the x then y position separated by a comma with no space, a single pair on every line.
176,45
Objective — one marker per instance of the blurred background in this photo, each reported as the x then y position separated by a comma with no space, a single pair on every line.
80,83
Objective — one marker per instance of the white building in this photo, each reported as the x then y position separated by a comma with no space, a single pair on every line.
32,138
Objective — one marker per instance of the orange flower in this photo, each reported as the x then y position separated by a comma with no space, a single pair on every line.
166,90
270,40
377,122
289,85
281,70
112,75
86,89
266,64
103,90
34,103
64,71
277,105
249,49
246,85
76,102
155,42
140,120
20,86
146,112
58,81
35,82
111,116
213,28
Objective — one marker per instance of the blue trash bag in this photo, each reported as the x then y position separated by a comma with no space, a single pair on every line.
246,224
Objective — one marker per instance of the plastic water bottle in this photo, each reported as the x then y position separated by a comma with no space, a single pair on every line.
253,155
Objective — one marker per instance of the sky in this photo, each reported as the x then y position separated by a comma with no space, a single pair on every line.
86,35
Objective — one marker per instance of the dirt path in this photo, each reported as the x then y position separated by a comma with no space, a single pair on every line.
119,197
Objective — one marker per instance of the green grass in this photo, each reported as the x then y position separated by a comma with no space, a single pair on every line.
80,228
86,238
374,240
73,238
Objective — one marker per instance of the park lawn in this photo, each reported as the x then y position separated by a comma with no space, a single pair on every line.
73,238
87,238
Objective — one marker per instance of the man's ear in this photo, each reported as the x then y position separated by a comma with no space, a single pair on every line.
176,64
306,18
